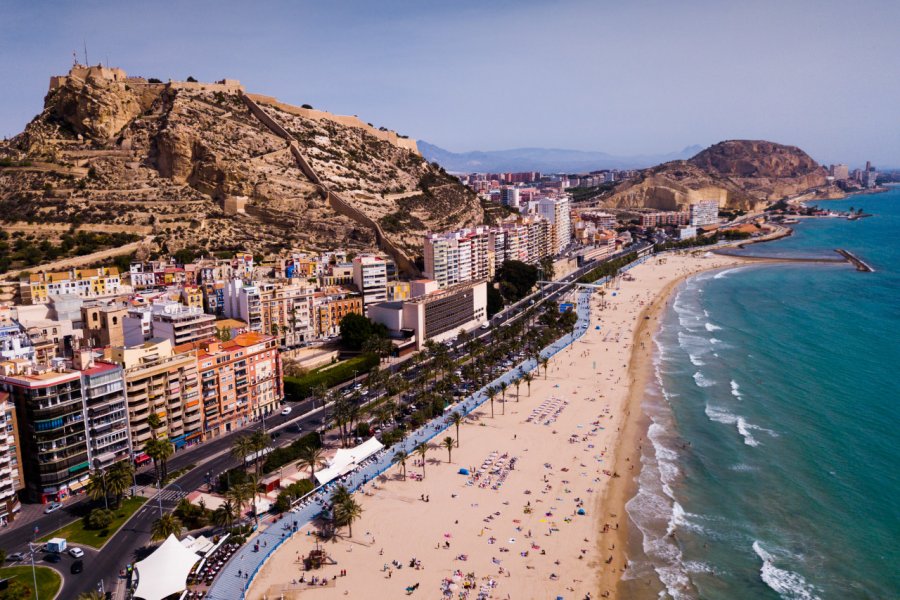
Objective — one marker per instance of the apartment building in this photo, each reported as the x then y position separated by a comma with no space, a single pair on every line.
240,380
705,212
370,278
601,219
86,283
286,312
397,290
157,380
11,477
105,410
556,211
330,308
171,320
458,256
52,432
667,217
14,342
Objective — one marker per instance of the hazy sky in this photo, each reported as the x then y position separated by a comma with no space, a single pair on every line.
626,77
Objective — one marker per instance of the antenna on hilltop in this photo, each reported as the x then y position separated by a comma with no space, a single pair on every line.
74,58
85,53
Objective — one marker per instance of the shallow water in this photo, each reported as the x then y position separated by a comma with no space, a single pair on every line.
773,468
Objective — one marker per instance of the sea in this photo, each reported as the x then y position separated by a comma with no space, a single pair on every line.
771,468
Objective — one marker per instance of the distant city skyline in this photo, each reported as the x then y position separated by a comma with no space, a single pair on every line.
623,78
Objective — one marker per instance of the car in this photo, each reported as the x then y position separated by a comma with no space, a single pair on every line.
52,558
286,411
15,557
77,567
52,507
76,552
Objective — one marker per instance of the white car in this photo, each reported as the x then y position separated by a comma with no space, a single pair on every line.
286,410
76,552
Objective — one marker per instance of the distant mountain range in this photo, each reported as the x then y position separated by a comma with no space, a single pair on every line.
545,160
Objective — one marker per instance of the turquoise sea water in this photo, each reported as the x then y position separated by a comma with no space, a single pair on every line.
774,467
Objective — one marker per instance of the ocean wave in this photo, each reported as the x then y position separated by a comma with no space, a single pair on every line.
788,584
723,274
720,415
742,468
702,381
710,327
736,389
715,341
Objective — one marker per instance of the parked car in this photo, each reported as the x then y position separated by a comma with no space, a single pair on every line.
77,567
76,552
15,557
286,410
52,507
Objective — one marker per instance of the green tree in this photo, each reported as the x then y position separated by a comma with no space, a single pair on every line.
447,443
422,451
400,458
160,450
312,457
163,527
503,386
356,329
118,479
545,362
528,377
346,511
241,448
98,487
456,419
224,515
154,422
100,518
516,279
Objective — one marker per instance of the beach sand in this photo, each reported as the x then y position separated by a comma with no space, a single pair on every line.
520,534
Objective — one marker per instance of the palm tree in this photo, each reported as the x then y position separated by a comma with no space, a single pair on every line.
503,386
259,441
312,457
491,392
224,515
163,527
346,511
448,444
98,487
422,450
400,459
242,448
159,450
456,419
239,495
517,382
340,495
544,363
154,422
119,479
528,377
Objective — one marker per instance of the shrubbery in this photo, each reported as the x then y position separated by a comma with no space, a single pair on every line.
298,388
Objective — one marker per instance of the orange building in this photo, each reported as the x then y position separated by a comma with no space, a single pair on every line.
240,380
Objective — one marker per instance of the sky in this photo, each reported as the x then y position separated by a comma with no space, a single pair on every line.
626,77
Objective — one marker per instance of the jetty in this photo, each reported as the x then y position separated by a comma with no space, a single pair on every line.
856,261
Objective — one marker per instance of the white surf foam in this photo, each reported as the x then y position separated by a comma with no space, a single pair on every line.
736,389
723,274
702,381
788,584
710,327
720,415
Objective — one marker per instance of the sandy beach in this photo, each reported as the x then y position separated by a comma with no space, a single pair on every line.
540,513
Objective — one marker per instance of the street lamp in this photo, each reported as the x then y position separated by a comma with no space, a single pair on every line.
31,552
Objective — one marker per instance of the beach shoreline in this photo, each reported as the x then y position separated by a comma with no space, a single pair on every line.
634,430
595,431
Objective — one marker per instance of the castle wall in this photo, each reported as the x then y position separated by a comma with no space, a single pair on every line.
345,120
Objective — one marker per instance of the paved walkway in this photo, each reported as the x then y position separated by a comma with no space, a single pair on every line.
236,576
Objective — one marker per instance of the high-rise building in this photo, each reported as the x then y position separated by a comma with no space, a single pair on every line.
509,196
705,212
240,380
11,477
840,172
370,278
457,256
556,210
159,381
105,410
52,430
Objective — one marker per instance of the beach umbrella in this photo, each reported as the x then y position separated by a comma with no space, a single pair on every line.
463,471
580,511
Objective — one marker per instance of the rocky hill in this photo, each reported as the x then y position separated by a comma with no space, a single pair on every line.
741,174
210,166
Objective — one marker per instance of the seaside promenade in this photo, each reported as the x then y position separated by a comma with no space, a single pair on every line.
238,575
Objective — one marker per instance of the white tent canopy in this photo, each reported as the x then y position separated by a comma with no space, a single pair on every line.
345,461
164,572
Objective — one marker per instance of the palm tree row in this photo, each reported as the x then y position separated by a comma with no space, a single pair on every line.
114,481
